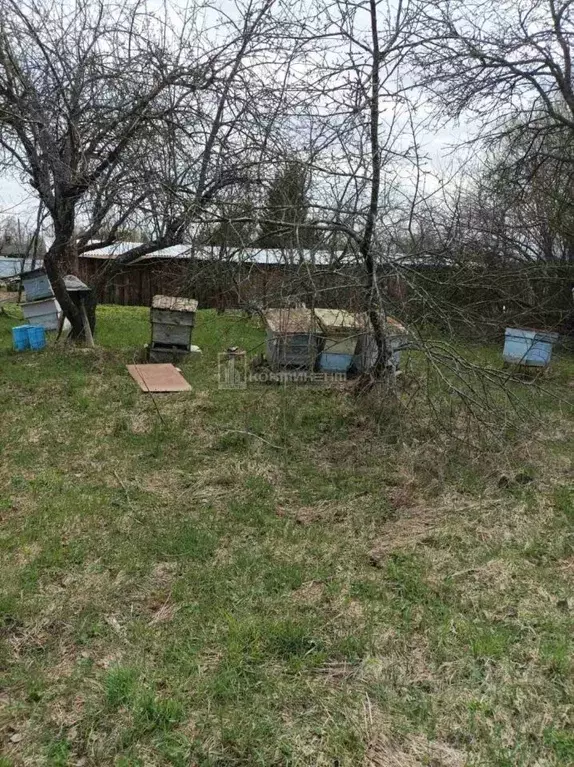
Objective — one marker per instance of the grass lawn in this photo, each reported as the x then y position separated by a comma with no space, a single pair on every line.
275,576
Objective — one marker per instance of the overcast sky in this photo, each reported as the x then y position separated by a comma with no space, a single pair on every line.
17,199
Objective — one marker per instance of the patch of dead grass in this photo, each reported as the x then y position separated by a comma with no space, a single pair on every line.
165,613
567,568
25,554
414,525
166,483
386,748
164,573
414,751
310,593
399,663
324,511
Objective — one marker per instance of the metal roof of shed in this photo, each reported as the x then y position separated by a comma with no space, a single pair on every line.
260,256
255,255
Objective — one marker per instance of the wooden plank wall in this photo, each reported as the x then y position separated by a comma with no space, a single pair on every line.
224,285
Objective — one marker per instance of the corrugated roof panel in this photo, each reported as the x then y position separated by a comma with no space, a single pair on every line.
261,256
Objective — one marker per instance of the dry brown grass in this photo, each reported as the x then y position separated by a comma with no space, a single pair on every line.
414,752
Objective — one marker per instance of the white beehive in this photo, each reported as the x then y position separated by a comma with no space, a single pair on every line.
45,313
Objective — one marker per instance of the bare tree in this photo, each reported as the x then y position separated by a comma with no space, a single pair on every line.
358,115
114,113
509,64
504,69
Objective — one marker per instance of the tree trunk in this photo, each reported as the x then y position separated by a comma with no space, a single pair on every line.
375,307
61,260
52,261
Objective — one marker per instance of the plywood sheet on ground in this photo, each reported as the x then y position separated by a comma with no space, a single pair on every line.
158,378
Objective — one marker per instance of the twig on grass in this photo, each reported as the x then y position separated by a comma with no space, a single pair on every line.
252,434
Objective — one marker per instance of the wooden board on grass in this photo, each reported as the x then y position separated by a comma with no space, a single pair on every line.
158,378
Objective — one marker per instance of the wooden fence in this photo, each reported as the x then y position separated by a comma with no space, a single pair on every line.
483,299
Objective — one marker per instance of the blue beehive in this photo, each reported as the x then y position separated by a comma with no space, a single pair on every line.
36,337
37,285
20,339
340,331
528,347
335,362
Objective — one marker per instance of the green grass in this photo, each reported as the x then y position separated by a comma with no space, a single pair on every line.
276,576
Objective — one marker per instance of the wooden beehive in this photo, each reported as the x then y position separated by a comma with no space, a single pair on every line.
341,330
43,313
172,321
41,308
292,339
367,351
37,285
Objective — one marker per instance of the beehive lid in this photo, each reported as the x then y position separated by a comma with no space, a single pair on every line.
34,274
392,326
338,320
75,285
290,320
173,304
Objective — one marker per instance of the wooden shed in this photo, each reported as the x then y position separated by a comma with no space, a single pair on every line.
292,339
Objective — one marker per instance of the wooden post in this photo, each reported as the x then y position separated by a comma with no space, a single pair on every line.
86,321
61,324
